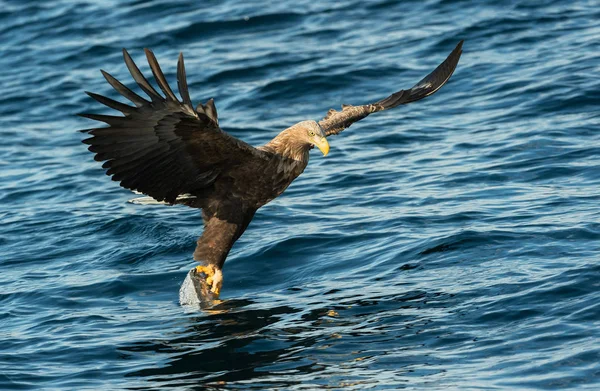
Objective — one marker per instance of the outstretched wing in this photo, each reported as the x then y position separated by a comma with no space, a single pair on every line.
336,121
163,147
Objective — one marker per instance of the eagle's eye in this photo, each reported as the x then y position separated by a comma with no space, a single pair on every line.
311,133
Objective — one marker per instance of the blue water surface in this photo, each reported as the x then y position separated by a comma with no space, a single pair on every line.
451,244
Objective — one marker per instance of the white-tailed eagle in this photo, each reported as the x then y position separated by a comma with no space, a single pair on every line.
174,152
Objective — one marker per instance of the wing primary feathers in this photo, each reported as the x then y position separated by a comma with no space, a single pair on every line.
394,100
182,83
427,86
123,90
211,110
159,76
113,104
140,79
436,79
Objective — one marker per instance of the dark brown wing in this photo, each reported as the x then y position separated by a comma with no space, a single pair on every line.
163,147
336,121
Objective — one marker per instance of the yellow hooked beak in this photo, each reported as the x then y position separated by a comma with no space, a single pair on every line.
322,144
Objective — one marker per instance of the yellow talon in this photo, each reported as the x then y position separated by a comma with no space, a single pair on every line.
214,277
208,271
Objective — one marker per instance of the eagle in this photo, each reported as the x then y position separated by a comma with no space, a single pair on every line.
175,153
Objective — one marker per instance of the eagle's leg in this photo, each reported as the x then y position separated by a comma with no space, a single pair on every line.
213,246
221,229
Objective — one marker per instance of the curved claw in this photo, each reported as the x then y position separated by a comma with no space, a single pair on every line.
214,277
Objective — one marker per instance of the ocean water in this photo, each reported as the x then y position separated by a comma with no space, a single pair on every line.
450,244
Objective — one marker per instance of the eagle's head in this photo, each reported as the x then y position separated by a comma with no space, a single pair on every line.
311,134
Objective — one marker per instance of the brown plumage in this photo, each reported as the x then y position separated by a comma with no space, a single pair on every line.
173,152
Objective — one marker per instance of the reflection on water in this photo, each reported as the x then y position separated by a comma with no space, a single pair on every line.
331,340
